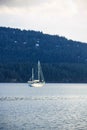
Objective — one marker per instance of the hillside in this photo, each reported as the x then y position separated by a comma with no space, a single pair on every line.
63,60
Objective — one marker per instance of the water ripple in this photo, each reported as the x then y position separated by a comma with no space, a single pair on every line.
43,98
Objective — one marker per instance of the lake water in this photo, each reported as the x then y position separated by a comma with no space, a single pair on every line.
52,107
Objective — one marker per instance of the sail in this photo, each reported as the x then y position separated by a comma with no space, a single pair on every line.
39,70
40,73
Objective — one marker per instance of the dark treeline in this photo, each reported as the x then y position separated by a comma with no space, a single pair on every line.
62,73
62,60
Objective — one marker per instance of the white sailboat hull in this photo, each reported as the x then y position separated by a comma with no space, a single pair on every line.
36,84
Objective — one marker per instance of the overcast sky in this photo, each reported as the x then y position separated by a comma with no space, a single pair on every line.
63,17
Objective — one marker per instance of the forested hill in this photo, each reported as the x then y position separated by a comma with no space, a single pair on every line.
63,60
25,46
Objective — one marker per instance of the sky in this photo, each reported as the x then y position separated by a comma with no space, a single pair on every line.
66,18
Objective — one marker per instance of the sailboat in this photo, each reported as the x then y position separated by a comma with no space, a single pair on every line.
39,82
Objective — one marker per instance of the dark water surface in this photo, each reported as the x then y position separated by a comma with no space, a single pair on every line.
52,107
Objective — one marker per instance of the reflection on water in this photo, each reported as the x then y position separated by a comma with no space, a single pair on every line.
53,107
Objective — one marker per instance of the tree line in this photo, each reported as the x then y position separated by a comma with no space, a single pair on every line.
59,73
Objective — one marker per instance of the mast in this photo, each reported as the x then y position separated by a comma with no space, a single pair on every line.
32,74
39,70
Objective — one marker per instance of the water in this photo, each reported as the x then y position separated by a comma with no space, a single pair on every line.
52,107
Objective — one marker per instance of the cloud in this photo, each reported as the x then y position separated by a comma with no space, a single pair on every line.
61,7
60,4
81,6
63,17
21,3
